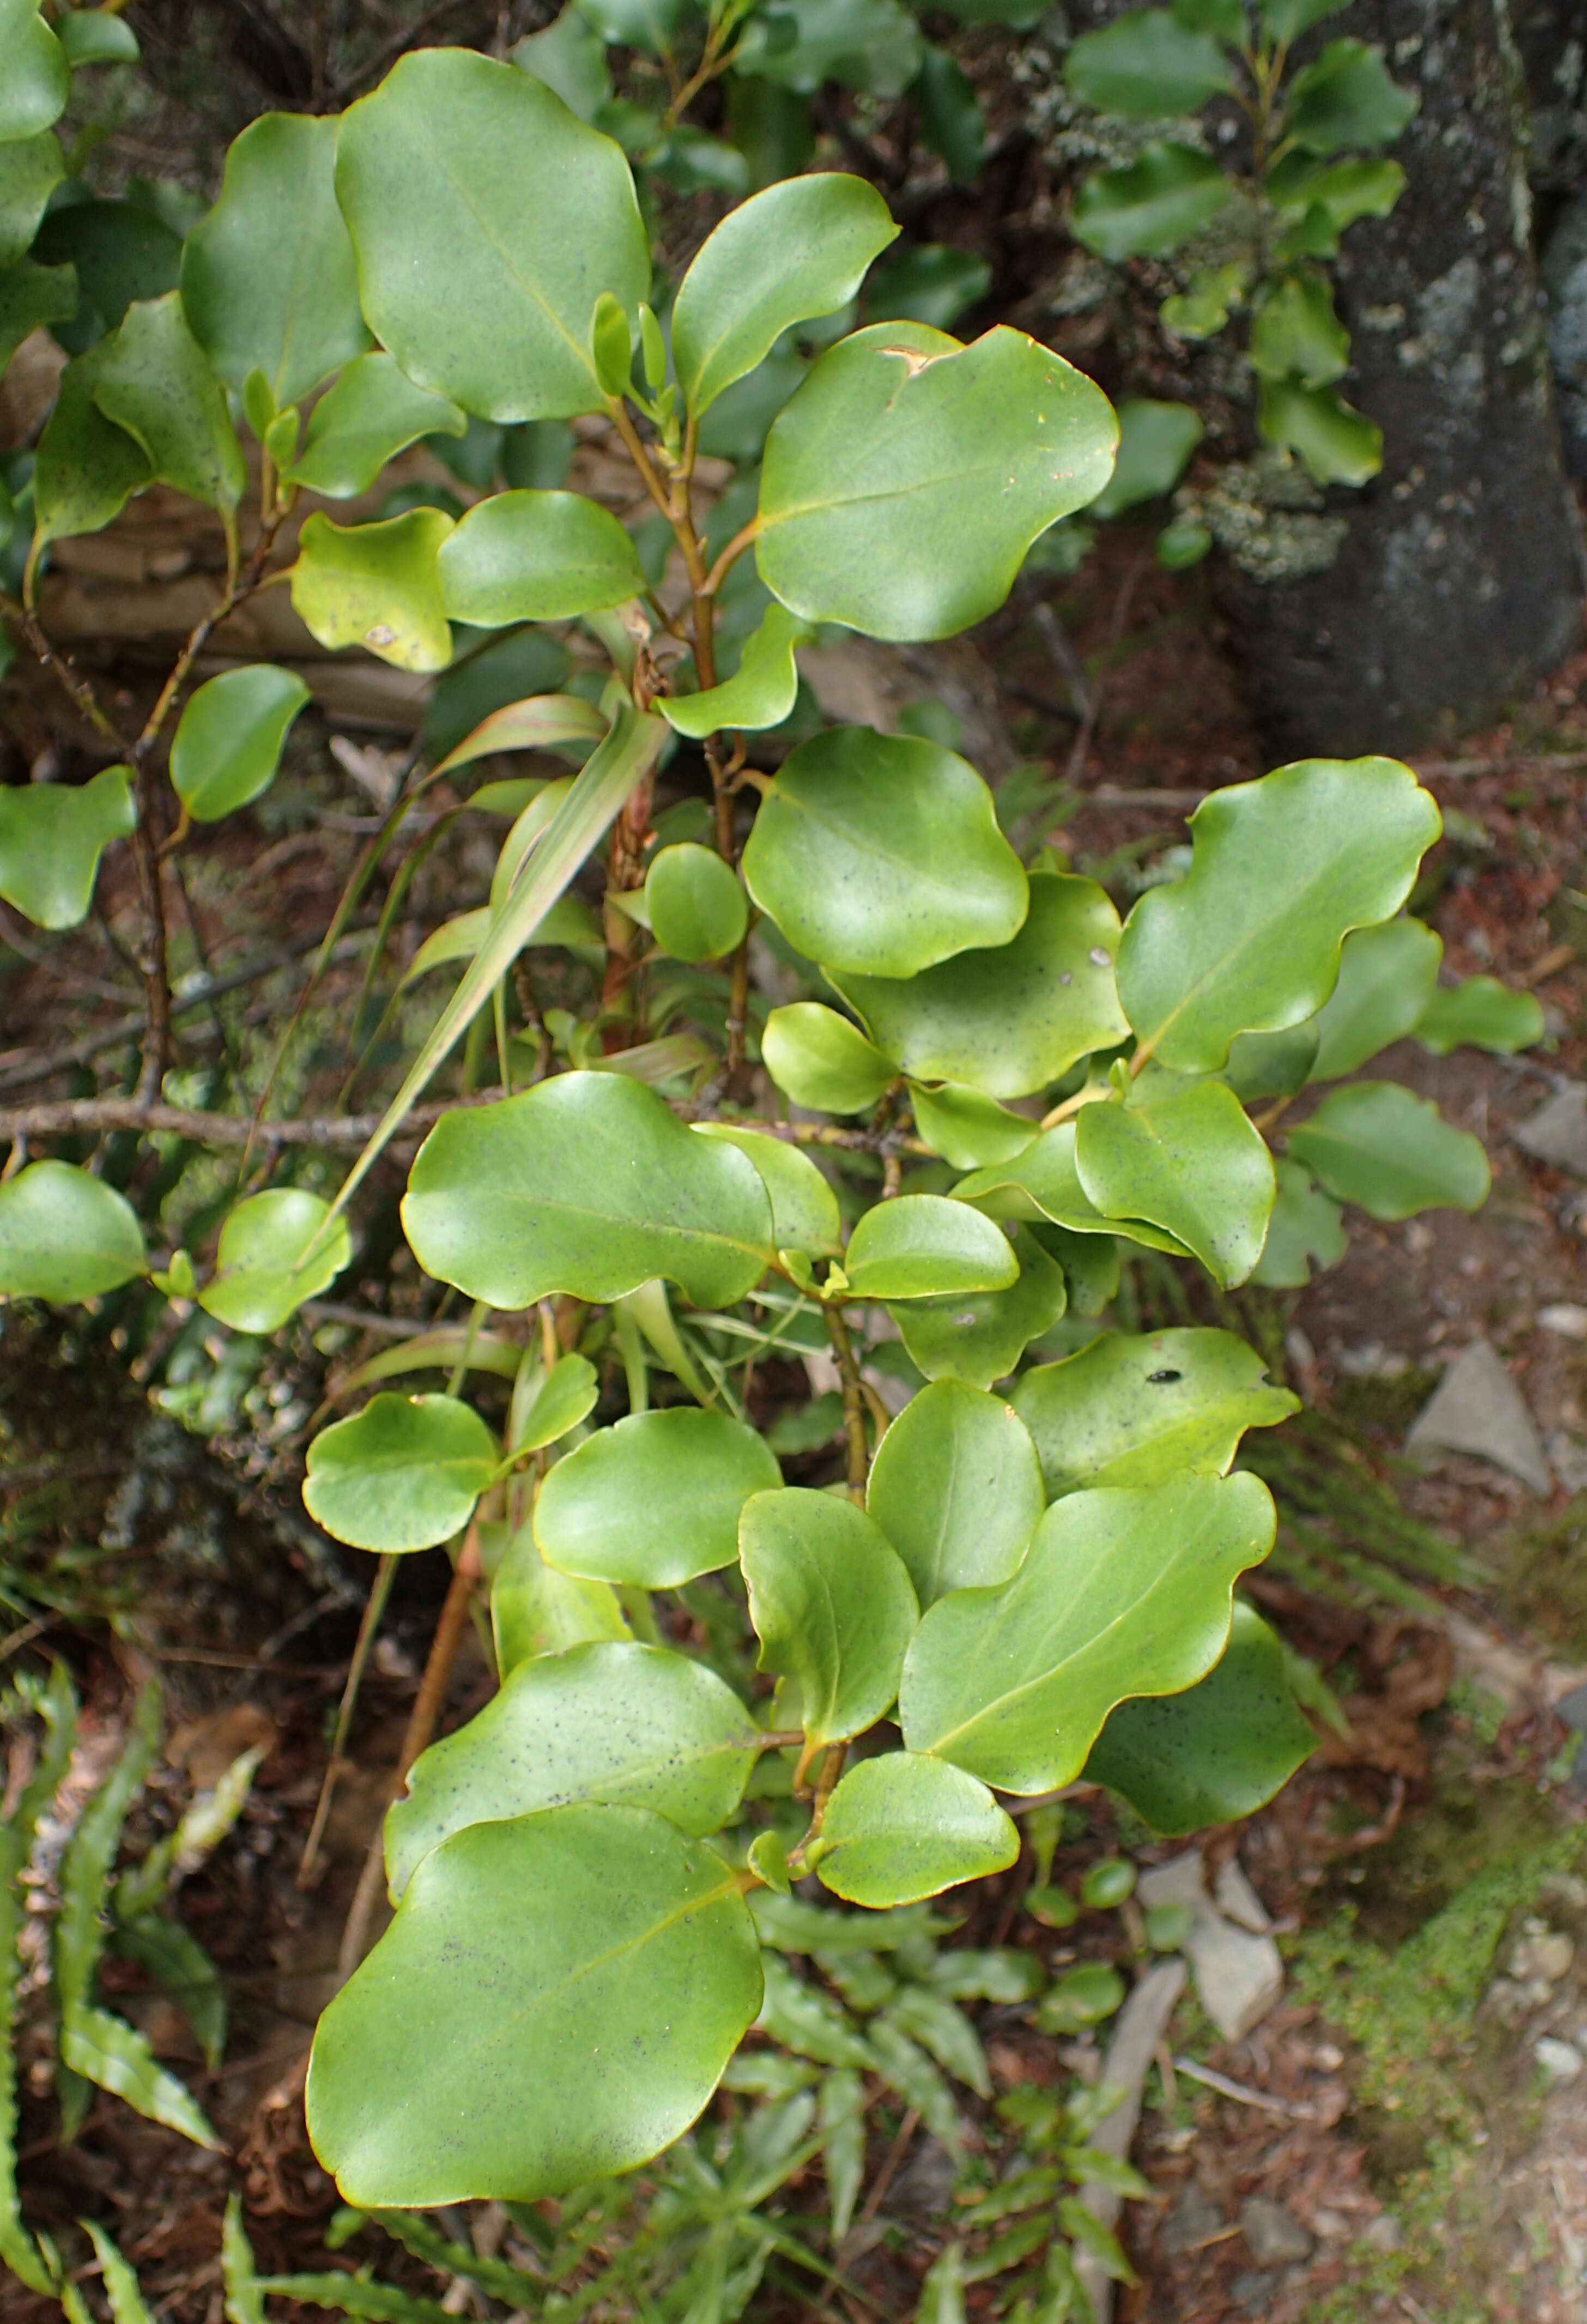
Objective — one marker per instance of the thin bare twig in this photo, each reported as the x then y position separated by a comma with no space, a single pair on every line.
1295,2110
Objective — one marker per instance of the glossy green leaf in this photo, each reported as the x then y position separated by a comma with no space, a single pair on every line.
1276,1065
821,1060
268,280
1286,20
1338,444
924,1247
1218,1751
979,1336
929,282
901,440
31,297
804,1209
627,1726
273,1253
1120,1591
554,2002
1295,334
871,45
881,855
901,1826
108,2051
37,79
229,739
1146,65
831,1604
1156,441
402,1474
1480,1013
966,1127
956,1486
154,380
65,1235
1131,1410
533,724
654,1500
86,468
536,1611
1346,96
797,250
1146,208
1387,976
376,586
1282,870
1043,1184
588,1185
488,220
120,252
1374,1144
570,57
1202,309
761,691
1346,190
695,905
1090,1263
51,838
536,557
371,413
1305,1226
556,1401
95,36
1192,1163
1008,1018
30,169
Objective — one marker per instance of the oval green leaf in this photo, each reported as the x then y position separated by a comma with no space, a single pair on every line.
1480,1013
555,2002
1119,1592
1282,870
37,79
831,1604
1139,1409
923,1246
376,586
268,279
1192,1163
1148,207
373,412
967,1128
627,1726
695,905
271,1256
797,250
230,736
487,221
31,169
1374,1144
536,557
901,439
1146,65
902,1827
1043,1183
402,1474
536,1611
51,838
881,854
761,691
1009,1018
1306,1225
979,1336
1216,1752
154,380
805,1215
588,1185
556,1401
821,1060
956,1486
87,467
654,1500
1346,96
65,1235
1386,977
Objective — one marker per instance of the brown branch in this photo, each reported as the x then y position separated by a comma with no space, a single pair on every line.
853,1403
60,1117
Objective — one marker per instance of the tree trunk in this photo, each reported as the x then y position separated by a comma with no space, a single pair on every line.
1458,577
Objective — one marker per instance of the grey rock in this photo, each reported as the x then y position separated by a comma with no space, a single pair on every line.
926,2182
1385,2234
1253,2289
1573,1709
1273,2236
1557,1131
1238,1901
1561,2060
1238,1973
1478,1409
1193,2221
